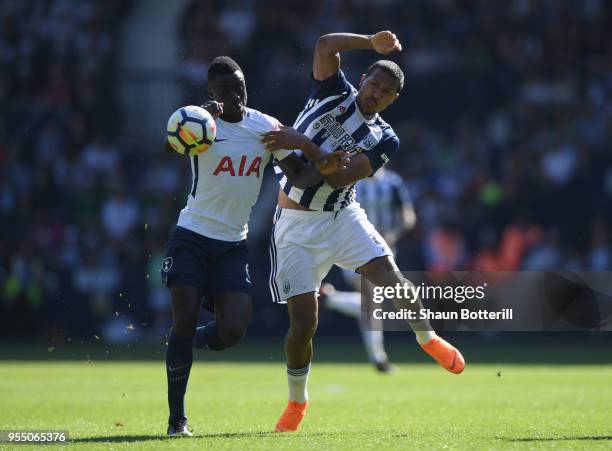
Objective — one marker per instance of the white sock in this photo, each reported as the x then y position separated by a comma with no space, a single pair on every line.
373,341
346,302
422,336
297,379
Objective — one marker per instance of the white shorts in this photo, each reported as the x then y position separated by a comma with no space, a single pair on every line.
306,244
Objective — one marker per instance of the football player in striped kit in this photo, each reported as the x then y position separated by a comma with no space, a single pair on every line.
322,225
388,205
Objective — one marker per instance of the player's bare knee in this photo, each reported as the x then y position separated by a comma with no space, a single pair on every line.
303,316
303,327
233,317
233,332
384,276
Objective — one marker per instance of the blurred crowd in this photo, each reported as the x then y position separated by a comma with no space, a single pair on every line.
505,124
64,206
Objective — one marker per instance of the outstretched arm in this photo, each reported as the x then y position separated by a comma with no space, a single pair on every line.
300,175
357,167
354,168
303,174
326,61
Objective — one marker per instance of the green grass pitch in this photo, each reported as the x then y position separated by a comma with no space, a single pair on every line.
120,404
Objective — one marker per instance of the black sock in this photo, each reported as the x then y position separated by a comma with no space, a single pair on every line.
207,337
179,357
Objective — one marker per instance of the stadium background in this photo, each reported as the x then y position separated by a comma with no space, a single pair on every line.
505,123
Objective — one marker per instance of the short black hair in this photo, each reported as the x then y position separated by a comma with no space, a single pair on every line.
222,65
390,68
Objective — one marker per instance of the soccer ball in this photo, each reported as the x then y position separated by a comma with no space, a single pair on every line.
191,130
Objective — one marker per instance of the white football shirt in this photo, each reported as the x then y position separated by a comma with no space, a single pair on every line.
226,178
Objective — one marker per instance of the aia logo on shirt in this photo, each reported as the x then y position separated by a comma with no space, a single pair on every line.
241,169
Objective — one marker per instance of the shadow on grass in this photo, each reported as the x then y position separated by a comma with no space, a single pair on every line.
117,438
145,438
553,439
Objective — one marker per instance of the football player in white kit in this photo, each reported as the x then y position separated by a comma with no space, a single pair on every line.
333,228
206,256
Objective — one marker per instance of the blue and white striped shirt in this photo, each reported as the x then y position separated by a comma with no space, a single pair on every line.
332,120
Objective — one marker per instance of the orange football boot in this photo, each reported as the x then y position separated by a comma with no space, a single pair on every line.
445,354
292,417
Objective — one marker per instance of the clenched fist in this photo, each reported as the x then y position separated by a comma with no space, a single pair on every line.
385,42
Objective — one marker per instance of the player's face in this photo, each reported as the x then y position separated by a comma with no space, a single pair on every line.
376,92
229,89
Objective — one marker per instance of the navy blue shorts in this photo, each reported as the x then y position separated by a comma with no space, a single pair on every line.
212,266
